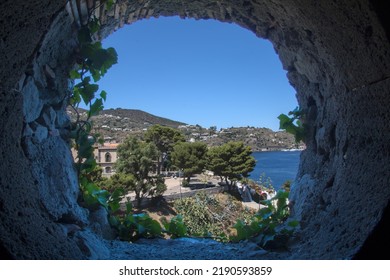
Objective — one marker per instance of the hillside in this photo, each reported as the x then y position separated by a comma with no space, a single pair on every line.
116,124
131,118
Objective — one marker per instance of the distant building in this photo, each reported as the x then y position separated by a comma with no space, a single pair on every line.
106,155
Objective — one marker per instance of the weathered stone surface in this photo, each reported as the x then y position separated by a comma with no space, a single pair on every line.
32,105
339,203
40,134
186,249
53,170
92,247
49,116
100,225
337,58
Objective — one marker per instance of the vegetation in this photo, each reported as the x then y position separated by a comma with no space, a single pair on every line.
176,227
201,216
136,161
92,63
126,182
232,161
293,124
117,124
211,216
267,226
133,226
190,158
164,138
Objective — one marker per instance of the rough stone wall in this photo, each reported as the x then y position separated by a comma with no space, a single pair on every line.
337,58
38,184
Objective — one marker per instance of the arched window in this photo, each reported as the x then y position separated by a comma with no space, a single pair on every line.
108,169
108,157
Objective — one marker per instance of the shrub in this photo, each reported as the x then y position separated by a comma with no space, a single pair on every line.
267,226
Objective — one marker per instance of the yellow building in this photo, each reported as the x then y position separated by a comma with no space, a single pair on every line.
106,155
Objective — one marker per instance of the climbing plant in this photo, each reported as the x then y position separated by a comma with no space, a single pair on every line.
269,227
293,124
92,63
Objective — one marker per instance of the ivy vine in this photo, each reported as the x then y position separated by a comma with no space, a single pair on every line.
293,124
92,63
269,227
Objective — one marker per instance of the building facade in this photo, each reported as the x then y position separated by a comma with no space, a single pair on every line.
106,156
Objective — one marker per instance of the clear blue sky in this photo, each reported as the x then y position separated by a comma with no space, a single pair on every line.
198,72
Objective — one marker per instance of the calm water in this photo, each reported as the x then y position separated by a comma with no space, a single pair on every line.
278,166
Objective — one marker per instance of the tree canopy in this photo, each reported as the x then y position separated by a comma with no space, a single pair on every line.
190,157
231,161
126,182
137,158
164,138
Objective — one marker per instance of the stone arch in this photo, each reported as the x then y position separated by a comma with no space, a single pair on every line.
337,60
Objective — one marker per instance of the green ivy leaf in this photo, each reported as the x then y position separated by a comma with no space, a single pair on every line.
103,95
84,35
99,58
88,92
284,121
129,207
287,123
76,98
96,107
112,57
94,25
155,228
74,74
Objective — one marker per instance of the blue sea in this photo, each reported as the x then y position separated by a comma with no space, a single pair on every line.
277,166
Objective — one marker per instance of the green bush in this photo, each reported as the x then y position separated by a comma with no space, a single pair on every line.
176,227
267,227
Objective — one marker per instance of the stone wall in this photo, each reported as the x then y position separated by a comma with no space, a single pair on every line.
38,186
337,58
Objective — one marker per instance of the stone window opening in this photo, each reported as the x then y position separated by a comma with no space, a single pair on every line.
336,55
108,157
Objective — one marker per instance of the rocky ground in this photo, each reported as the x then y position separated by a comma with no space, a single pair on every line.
188,249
